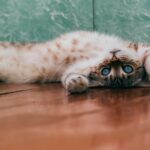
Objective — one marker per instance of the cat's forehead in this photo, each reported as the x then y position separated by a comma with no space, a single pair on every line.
121,53
123,50
120,56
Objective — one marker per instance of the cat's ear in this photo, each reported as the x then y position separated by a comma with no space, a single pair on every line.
137,46
146,62
145,83
133,46
94,83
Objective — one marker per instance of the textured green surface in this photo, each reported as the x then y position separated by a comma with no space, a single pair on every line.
40,20
129,19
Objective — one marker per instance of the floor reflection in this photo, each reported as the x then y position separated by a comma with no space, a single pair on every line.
101,119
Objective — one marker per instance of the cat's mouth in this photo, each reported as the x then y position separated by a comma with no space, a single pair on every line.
116,83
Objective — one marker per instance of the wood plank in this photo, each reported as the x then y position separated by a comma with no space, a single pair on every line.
47,117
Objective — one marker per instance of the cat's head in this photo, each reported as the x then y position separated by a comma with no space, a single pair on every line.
119,68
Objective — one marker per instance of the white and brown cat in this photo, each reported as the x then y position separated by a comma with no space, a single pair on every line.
79,60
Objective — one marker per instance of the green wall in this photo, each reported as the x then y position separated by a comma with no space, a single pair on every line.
41,20
129,19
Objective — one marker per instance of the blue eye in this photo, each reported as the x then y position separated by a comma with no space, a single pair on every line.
128,69
105,71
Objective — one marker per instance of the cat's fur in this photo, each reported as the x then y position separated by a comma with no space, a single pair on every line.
76,59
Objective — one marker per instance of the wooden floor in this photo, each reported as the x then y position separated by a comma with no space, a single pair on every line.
46,117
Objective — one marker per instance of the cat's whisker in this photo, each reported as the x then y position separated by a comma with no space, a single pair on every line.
136,82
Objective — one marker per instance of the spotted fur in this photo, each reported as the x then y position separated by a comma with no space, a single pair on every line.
76,59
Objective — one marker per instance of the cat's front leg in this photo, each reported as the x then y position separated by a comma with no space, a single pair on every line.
76,78
75,83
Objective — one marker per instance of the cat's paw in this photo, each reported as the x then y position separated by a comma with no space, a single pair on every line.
75,83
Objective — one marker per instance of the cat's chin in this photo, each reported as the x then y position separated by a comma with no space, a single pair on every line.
139,83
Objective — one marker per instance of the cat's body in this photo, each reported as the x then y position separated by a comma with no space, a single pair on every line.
75,58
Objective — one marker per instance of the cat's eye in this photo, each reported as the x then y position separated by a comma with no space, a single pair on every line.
105,71
128,69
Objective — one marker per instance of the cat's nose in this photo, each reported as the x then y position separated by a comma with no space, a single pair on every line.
115,51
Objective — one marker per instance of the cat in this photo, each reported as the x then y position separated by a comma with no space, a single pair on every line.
80,60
